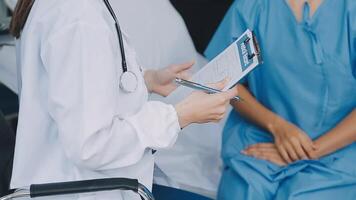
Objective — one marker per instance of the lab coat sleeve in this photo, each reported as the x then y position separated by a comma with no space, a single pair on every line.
83,65
243,14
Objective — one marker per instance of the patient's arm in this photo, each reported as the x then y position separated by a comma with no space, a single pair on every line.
253,110
341,136
292,143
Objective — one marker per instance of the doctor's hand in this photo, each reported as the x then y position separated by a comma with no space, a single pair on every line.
292,143
161,81
200,107
265,151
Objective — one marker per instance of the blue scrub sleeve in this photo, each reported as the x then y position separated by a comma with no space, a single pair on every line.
242,15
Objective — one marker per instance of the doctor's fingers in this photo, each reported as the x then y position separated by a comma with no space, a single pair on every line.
213,117
225,97
219,85
178,68
186,75
216,118
218,111
230,94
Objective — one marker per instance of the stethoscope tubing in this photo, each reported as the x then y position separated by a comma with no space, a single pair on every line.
126,75
119,34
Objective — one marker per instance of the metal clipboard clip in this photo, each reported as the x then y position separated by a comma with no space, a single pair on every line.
256,47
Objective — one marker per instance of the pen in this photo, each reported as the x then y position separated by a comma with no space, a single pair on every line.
201,87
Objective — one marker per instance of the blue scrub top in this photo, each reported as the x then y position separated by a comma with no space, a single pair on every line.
308,77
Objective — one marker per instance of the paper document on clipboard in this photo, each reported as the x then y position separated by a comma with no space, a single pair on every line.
235,62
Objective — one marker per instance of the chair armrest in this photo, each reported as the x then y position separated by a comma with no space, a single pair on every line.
87,186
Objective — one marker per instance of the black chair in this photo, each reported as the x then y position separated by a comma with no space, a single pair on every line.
7,145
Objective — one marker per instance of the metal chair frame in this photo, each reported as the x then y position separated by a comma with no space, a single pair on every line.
85,187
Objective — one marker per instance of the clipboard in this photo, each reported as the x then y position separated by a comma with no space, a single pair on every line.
241,57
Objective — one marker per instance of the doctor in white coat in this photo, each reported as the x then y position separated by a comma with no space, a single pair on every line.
84,114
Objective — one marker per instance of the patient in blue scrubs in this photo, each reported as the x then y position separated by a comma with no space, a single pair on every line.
294,135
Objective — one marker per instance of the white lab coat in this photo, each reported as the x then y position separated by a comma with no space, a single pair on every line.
74,121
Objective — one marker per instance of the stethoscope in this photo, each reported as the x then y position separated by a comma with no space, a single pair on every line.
128,80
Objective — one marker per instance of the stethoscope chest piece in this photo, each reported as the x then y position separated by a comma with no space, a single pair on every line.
128,82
